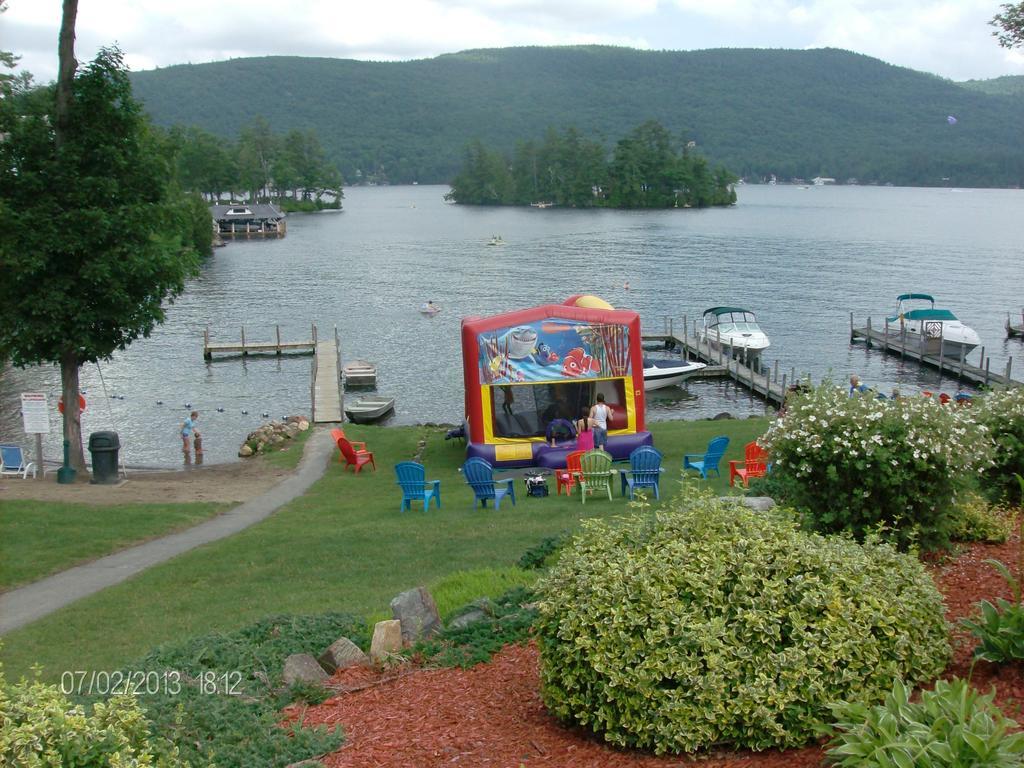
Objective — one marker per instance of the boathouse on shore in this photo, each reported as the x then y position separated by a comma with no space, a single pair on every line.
249,220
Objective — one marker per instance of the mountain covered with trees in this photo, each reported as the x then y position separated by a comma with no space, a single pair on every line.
758,112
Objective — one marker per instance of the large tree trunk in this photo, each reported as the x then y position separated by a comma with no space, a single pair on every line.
69,366
62,117
65,70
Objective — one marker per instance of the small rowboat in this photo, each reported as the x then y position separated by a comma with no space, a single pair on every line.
359,373
366,410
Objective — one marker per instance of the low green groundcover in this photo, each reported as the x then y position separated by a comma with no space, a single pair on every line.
709,624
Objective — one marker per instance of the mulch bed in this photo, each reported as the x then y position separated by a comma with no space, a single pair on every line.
492,715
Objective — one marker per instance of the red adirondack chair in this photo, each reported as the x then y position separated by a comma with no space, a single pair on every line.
754,465
568,477
355,458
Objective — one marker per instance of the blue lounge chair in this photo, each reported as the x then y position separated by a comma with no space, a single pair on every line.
480,476
644,470
13,464
412,477
707,462
595,473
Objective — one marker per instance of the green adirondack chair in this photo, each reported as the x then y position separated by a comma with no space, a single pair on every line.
595,473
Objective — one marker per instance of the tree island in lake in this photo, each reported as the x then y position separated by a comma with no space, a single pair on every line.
643,171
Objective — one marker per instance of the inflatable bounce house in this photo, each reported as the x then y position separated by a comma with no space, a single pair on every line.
530,374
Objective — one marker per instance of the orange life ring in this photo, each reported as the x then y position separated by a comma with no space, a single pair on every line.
60,403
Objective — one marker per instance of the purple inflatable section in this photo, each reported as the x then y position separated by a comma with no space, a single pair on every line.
619,446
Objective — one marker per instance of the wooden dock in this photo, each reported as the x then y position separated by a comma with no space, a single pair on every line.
1015,329
765,384
894,341
325,396
325,388
250,347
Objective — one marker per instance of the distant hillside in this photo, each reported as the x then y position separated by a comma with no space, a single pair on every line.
758,112
1009,85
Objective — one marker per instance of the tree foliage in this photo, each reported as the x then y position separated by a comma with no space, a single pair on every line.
645,171
95,237
1009,25
258,164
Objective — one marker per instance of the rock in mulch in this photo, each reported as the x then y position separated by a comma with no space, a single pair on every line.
342,653
387,639
302,668
417,611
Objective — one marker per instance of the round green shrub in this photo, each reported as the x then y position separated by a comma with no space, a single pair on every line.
710,624
862,464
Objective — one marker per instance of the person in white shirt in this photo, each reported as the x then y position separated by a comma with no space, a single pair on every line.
600,415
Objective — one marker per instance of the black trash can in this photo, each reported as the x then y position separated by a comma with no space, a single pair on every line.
103,446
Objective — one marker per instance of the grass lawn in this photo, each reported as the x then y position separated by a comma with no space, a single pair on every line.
343,546
38,538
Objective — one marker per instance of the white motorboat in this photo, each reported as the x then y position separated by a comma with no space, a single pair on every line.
934,331
668,372
735,332
366,410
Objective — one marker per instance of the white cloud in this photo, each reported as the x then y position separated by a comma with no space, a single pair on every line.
949,37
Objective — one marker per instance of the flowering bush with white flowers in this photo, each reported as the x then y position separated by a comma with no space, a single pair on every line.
861,463
1003,414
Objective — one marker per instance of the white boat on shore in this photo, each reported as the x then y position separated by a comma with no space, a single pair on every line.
668,372
735,332
934,331
367,410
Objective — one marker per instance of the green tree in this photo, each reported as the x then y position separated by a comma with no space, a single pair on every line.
94,238
1009,25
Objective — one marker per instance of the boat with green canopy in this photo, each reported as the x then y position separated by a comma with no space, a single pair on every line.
735,332
934,331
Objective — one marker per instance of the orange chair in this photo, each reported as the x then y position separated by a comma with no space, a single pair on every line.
568,477
755,464
357,445
355,458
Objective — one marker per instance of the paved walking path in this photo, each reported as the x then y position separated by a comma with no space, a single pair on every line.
26,604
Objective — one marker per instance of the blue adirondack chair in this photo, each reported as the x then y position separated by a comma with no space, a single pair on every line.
707,462
644,470
595,473
480,475
12,462
412,477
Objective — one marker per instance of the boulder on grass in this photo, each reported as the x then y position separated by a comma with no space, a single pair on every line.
341,654
387,639
417,612
756,503
302,668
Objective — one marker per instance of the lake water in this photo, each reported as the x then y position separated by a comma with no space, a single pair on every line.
803,259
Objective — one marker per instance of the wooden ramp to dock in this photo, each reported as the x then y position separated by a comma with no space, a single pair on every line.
765,383
894,342
326,381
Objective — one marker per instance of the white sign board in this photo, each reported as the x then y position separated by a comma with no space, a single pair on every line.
35,413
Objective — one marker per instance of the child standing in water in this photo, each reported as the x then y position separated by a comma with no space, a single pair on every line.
187,430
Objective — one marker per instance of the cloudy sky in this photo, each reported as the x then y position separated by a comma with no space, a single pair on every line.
950,38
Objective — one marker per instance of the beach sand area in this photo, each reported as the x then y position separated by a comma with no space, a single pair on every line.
227,483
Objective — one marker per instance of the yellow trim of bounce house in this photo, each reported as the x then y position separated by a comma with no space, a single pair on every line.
487,414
